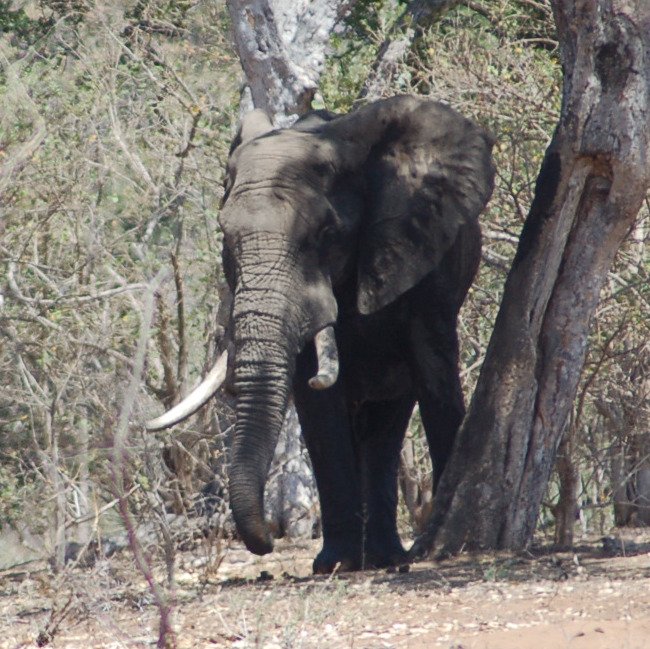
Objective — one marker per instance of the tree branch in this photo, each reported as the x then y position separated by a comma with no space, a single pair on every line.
395,49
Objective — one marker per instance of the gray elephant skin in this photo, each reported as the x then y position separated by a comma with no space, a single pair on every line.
361,229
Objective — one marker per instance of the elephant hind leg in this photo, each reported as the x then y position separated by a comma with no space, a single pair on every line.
439,393
380,431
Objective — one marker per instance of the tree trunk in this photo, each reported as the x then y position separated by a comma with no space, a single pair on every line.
593,180
291,502
415,485
52,464
623,507
626,421
281,46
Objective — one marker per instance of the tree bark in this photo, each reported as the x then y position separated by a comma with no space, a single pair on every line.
566,509
593,180
282,46
85,527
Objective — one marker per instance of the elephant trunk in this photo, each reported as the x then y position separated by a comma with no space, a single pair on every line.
263,372
277,306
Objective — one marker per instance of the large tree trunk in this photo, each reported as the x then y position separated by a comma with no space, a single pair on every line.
282,46
591,186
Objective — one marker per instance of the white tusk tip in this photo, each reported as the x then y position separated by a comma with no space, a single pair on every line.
322,381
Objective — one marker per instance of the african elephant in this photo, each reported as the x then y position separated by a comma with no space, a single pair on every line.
350,242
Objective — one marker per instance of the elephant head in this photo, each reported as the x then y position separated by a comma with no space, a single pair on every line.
373,200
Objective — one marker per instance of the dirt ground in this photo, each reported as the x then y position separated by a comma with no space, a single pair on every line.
597,597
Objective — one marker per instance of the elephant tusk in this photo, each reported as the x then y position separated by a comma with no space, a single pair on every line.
328,360
195,399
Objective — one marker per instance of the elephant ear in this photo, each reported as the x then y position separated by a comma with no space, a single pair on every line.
428,171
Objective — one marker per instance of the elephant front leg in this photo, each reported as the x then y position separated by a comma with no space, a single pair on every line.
382,426
328,437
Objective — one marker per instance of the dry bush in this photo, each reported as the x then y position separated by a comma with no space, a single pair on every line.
113,138
114,134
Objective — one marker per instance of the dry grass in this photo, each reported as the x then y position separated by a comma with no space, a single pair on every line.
582,599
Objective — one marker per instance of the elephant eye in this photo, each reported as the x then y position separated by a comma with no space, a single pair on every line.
320,168
327,235
325,230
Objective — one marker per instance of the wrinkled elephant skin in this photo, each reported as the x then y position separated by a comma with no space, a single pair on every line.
366,222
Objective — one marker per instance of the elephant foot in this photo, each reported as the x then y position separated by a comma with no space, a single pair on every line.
337,557
341,558
386,555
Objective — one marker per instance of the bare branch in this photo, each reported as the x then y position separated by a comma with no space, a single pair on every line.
181,374
75,299
166,638
19,158
396,47
131,156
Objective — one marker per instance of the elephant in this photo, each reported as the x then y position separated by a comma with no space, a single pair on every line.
349,245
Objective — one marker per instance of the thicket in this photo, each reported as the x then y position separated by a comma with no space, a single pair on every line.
115,125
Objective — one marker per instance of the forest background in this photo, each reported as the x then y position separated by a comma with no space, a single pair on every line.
115,123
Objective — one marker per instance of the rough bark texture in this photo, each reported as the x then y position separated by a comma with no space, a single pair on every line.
282,46
592,183
566,509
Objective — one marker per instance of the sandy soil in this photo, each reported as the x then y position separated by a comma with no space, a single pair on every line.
584,599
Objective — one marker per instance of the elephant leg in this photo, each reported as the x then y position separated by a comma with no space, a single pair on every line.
381,429
441,420
440,397
327,433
